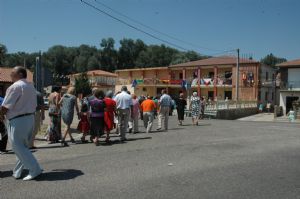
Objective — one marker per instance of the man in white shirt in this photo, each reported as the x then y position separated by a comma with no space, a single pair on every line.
18,108
124,110
164,110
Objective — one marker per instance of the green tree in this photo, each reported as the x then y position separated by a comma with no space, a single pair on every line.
108,54
129,52
93,63
3,51
271,60
82,84
156,55
56,60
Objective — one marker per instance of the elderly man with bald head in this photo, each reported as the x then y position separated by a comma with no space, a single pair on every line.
18,109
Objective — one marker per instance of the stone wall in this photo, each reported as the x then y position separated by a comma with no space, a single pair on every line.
233,114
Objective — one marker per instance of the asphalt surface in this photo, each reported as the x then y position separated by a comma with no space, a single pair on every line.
217,159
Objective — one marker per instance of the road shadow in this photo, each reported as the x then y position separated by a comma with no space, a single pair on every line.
176,128
117,141
49,147
204,124
60,175
135,139
41,139
5,174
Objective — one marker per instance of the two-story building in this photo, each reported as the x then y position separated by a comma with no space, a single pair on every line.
214,78
267,85
290,83
98,79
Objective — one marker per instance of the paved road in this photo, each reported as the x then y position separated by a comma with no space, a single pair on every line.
218,159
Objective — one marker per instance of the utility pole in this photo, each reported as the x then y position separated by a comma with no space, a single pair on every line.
237,75
38,85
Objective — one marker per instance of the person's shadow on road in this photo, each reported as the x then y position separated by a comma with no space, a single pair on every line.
59,175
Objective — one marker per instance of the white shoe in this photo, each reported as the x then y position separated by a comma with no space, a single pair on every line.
31,177
17,176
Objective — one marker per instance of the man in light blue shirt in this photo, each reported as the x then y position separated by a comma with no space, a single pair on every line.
124,110
164,105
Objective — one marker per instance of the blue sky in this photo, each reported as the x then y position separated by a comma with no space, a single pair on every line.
257,27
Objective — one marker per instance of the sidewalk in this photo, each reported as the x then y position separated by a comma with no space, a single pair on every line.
266,117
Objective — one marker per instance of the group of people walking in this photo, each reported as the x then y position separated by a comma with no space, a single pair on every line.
100,113
22,111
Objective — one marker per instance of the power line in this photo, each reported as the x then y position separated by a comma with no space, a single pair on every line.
153,29
144,32
131,26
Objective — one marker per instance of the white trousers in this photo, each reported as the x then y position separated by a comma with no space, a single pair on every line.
134,123
163,115
20,136
123,119
148,118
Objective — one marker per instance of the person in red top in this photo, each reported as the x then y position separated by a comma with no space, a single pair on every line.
84,125
148,107
109,114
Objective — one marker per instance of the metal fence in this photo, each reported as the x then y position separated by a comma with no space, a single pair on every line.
221,105
290,85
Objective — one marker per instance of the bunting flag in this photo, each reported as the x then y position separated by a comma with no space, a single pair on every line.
184,84
134,84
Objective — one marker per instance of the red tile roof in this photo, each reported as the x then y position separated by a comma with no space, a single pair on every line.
144,69
223,60
98,73
292,63
5,75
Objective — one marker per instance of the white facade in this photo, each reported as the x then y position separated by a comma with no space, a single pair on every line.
294,78
291,90
285,95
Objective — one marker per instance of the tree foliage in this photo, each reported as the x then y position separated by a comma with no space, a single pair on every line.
62,60
3,51
82,84
271,60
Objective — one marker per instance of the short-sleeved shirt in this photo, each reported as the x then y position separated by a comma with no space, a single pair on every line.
123,100
20,99
97,107
136,106
148,105
165,100
180,103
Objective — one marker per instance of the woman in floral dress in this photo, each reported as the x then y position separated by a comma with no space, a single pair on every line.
195,108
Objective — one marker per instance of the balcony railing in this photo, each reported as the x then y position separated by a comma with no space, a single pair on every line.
230,104
290,85
166,81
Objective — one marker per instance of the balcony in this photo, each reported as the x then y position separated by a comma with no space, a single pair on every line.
204,82
290,85
97,81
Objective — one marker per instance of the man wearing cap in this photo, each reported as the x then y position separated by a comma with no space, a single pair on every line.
124,110
18,108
